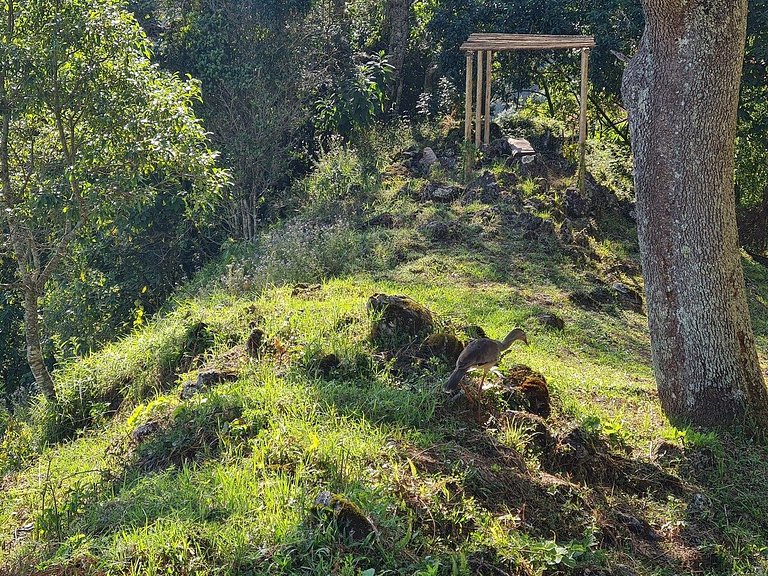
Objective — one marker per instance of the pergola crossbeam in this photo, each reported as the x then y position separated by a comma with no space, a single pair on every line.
488,43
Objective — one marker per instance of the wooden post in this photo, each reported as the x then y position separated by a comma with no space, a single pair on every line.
468,156
583,119
487,127
468,100
479,97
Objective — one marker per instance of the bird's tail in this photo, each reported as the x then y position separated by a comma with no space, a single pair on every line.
452,384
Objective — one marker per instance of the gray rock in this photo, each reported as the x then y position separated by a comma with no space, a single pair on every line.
576,206
436,192
449,162
551,321
638,526
189,389
428,157
205,379
528,221
144,431
499,147
485,190
628,298
700,506
437,230
213,376
544,231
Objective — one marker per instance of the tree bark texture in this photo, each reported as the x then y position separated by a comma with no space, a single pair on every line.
34,349
398,12
682,92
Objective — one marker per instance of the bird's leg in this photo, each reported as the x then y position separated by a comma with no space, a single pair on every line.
482,381
462,392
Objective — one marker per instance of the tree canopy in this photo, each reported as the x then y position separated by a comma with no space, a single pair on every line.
90,129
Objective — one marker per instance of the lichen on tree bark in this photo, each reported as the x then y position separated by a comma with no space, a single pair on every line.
681,90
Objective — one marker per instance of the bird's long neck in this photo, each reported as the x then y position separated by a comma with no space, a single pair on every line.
507,342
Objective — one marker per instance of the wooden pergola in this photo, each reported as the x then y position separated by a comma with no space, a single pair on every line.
482,47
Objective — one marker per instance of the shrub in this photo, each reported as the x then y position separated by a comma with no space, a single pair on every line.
338,185
17,443
305,250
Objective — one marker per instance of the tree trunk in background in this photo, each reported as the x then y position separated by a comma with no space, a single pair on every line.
34,349
761,232
339,9
398,30
682,91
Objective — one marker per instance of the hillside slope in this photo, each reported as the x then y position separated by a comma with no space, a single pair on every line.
269,423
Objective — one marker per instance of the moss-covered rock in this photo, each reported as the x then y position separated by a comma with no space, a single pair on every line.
445,345
526,389
350,520
398,320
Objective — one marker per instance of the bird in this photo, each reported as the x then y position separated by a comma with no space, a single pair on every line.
481,353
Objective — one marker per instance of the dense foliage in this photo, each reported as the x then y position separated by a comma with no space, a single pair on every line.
752,145
92,134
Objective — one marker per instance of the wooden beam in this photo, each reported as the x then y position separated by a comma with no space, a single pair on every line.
502,46
468,100
523,41
479,97
487,111
503,35
583,118
469,156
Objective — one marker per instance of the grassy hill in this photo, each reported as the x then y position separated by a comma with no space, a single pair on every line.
256,427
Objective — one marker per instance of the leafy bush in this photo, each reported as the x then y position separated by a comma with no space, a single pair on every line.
339,185
125,273
525,124
611,165
355,99
18,444
305,250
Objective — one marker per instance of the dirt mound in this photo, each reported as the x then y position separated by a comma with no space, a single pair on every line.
585,456
474,464
526,389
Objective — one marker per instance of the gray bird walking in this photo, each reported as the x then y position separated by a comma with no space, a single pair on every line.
481,353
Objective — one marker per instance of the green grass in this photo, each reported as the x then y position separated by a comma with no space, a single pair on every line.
227,481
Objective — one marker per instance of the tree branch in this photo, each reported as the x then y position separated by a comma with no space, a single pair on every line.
59,252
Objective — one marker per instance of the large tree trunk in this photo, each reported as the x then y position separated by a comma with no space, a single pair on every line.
682,91
34,349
